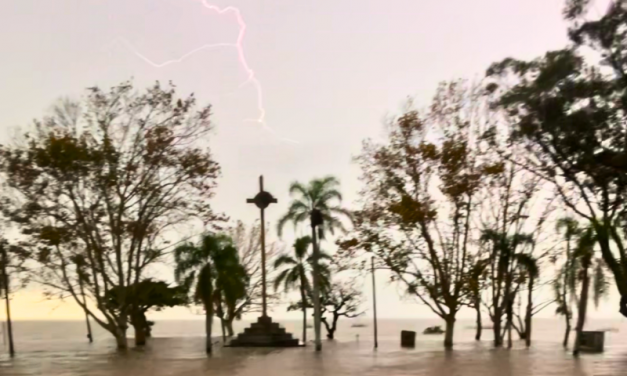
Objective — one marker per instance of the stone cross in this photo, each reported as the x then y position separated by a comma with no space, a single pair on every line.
262,200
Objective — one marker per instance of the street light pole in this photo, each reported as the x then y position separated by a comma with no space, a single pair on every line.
374,303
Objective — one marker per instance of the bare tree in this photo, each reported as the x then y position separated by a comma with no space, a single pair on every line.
248,243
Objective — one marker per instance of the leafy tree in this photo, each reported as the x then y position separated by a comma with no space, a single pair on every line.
107,178
146,295
568,113
296,273
317,199
421,188
340,300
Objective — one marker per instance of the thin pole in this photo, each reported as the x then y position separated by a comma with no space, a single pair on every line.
5,261
374,303
316,288
263,255
89,335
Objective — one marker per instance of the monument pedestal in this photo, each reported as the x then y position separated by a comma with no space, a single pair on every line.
264,333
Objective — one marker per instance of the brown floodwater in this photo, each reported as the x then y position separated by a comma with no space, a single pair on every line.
59,348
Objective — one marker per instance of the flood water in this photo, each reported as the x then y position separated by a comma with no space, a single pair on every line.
60,348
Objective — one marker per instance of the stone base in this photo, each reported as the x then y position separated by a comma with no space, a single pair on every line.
264,333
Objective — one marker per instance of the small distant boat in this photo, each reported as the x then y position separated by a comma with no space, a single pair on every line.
309,326
433,330
358,325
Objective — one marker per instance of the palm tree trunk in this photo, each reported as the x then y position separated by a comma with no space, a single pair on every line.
5,275
208,324
223,330
304,300
583,307
479,323
229,327
528,314
316,289
510,321
567,333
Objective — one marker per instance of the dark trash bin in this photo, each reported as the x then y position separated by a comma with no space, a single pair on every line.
408,338
592,342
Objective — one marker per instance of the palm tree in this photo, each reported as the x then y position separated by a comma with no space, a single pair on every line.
296,272
195,266
502,269
583,260
315,201
566,277
231,282
529,264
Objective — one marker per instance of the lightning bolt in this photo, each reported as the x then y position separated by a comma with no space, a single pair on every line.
238,45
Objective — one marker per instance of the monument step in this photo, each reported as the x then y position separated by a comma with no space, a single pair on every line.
246,336
253,330
269,341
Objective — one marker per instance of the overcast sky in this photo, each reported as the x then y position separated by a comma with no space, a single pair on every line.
329,71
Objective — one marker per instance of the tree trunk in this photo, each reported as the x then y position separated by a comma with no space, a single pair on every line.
223,330
519,328
479,325
510,320
316,289
528,314
208,323
5,280
498,336
304,300
140,324
229,327
140,334
583,307
448,334
120,338
89,335
567,333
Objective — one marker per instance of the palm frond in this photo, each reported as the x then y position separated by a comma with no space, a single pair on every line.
280,278
288,217
569,225
299,188
301,247
529,263
204,286
284,260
